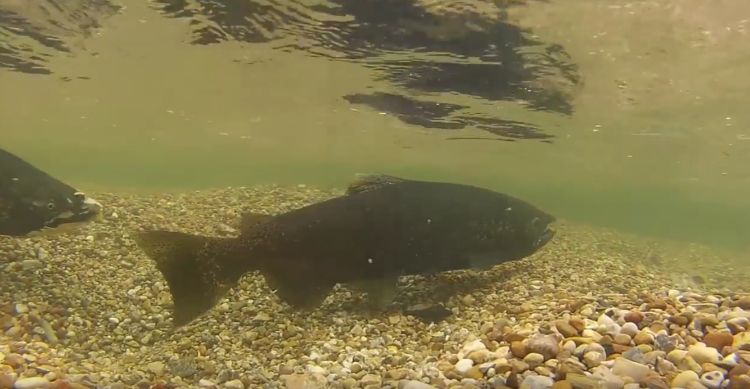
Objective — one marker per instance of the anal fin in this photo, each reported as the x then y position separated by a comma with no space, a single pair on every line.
380,291
300,293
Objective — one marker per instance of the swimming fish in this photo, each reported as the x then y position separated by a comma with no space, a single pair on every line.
382,228
32,201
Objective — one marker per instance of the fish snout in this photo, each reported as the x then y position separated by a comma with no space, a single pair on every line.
88,204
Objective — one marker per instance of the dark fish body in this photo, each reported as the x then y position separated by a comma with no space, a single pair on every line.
31,200
383,228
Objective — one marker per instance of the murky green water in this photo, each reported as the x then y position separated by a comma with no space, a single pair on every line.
633,116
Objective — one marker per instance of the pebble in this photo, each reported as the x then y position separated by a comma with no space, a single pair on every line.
562,384
627,368
703,354
682,379
537,382
417,385
31,383
518,348
608,325
643,337
463,365
534,359
204,383
622,338
370,379
593,358
718,340
234,384
629,328
712,379
633,317
544,344
156,367
565,328
741,339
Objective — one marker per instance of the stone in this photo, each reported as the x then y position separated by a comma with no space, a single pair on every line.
676,356
412,384
743,303
712,379
304,381
609,380
634,317
718,340
565,328
631,329
6,381
234,384
627,368
741,339
31,383
14,360
544,344
702,354
580,381
204,383
740,382
622,338
518,348
684,378
631,385
474,373
370,379
397,374
607,325
655,382
663,342
643,337
156,367
472,346
593,358
537,382
534,359
463,365
562,384
635,354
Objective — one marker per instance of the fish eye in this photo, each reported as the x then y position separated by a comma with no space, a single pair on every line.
51,205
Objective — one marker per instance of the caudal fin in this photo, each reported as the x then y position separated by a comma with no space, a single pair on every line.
196,268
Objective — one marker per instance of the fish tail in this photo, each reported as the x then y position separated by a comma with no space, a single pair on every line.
199,270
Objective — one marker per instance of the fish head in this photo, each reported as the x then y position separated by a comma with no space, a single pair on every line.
50,204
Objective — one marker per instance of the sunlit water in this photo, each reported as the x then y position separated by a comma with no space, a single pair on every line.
626,114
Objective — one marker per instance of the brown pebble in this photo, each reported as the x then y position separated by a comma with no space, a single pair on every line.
5,381
475,373
657,304
564,384
655,382
643,338
711,367
512,380
634,317
512,337
718,340
620,348
743,303
518,349
740,382
565,328
680,320
578,324
657,326
14,360
739,370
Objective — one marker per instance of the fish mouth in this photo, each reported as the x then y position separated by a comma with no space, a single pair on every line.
545,237
88,210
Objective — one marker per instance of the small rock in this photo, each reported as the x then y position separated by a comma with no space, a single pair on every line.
562,384
718,340
633,317
665,343
643,337
629,328
204,383
608,325
14,360
234,384
537,382
635,354
31,383
684,378
702,354
580,381
743,303
417,385
518,348
370,379
631,385
262,316
397,374
534,359
655,382
463,365
544,344
741,339
565,328
593,358
621,338
627,368
156,367
712,379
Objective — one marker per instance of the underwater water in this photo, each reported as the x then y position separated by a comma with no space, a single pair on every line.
626,120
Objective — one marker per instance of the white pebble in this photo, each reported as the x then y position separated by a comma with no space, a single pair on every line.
472,346
630,329
21,308
627,368
607,325
31,383
537,382
703,354
417,385
673,293
204,383
593,358
569,346
712,379
463,365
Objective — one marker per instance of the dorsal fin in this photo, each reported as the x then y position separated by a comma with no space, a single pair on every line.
368,182
250,220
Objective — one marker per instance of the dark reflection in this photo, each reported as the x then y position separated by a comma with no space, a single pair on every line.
433,114
445,46
33,31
